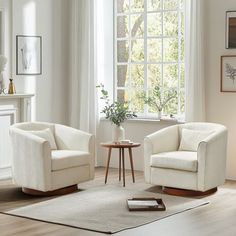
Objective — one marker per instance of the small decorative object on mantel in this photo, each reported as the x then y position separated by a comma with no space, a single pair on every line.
117,112
230,29
158,99
228,73
3,62
11,88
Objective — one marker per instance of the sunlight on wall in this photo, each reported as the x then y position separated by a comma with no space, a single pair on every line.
29,28
99,45
100,41
104,45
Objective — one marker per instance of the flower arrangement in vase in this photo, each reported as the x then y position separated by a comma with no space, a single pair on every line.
117,112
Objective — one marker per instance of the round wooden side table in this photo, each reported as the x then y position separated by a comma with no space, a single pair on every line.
121,148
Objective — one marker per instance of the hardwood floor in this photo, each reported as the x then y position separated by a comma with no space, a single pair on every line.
217,218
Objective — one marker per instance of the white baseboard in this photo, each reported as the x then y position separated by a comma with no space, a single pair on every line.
5,173
231,179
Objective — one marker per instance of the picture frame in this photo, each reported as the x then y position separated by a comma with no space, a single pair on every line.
228,73
230,29
28,55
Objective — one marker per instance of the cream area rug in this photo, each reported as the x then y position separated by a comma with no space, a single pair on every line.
103,209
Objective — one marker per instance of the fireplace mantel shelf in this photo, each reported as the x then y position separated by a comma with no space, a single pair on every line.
16,95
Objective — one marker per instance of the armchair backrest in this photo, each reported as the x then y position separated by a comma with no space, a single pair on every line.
190,140
34,126
65,137
74,139
204,126
201,126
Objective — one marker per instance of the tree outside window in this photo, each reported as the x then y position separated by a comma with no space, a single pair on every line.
149,52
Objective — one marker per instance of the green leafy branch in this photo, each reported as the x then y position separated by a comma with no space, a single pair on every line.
117,112
157,100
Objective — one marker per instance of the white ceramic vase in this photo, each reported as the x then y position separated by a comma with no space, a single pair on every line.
118,133
159,115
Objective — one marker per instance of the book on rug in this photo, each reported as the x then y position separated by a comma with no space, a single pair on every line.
146,204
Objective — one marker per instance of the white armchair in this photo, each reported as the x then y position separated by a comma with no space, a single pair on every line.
38,165
189,156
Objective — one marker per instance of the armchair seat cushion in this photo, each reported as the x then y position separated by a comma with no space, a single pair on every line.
63,159
178,160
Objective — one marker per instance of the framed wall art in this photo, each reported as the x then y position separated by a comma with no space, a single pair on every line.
28,55
231,29
228,73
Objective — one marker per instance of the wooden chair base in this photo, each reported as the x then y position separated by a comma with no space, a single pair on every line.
187,193
60,191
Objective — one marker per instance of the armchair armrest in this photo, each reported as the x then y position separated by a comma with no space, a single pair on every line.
164,140
212,160
31,155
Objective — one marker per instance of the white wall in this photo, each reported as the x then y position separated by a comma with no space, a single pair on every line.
104,43
43,18
220,107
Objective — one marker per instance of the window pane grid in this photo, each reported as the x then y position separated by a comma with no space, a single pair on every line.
168,67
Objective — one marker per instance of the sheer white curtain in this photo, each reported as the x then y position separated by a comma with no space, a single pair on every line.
194,59
82,72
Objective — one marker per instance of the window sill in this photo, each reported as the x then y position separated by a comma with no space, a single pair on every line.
151,120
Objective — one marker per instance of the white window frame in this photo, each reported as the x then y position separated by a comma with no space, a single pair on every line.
179,63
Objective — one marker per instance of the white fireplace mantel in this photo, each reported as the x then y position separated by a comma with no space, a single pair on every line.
16,95
13,108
